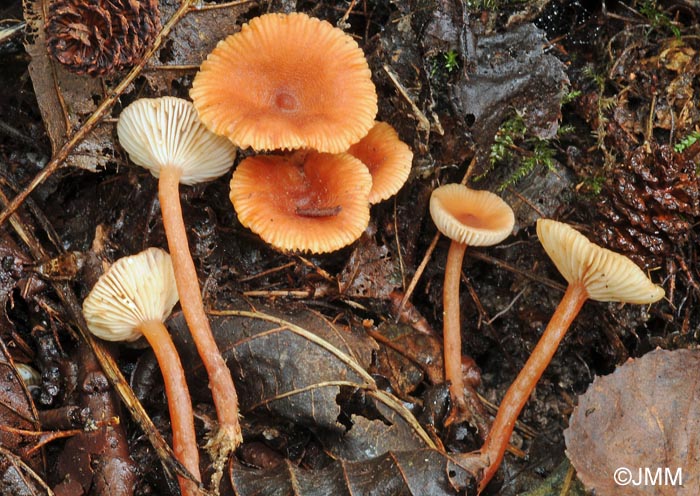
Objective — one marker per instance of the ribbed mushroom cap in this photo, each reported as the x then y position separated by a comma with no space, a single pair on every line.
287,81
166,131
134,290
387,158
307,201
472,217
606,275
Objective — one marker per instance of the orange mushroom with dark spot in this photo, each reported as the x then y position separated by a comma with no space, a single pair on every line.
467,217
592,272
306,201
165,136
130,300
287,81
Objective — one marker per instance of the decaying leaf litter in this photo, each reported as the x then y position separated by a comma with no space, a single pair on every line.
578,113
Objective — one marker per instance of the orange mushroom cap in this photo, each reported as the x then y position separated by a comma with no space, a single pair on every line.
387,158
287,81
472,217
307,201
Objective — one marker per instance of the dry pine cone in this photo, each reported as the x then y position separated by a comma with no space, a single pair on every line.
101,37
651,204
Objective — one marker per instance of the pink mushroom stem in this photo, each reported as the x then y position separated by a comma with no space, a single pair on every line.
179,403
518,393
220,381
452,335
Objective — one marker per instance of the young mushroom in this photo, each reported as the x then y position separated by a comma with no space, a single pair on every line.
467,217
130,300
305,201
165,136
387,158
287,81
592,272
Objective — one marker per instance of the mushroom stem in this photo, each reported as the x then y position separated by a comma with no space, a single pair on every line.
451,330
222,389
179,403
518,393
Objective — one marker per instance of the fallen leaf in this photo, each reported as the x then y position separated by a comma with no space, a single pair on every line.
419,473
295,364
641,421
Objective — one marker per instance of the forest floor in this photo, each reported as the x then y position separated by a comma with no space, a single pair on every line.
584,112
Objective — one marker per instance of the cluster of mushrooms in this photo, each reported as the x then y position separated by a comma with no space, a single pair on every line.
269,88
480,218
315,110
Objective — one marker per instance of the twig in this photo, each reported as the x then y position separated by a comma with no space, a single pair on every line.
508,307
423,122
92,121
216,6
506,266
418,274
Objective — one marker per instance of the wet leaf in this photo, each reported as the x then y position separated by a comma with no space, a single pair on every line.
512,71
418,473
189,43
646,415
295,364
17,478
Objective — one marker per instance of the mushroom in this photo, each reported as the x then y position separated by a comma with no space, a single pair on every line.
592,272
305,201
287,81
165,136
467,217
387,158
130,300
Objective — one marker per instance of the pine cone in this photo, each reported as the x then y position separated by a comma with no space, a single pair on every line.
650,204
101,37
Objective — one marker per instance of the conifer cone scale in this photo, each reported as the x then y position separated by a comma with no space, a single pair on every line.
651,204
99,38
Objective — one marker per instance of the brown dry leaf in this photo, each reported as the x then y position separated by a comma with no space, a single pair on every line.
416,348
299,366
419,473
371,271
643,417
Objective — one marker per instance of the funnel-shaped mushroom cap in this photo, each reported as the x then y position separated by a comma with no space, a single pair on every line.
163,132
387,158
308,201
134,290
606,275
287,81
471,217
